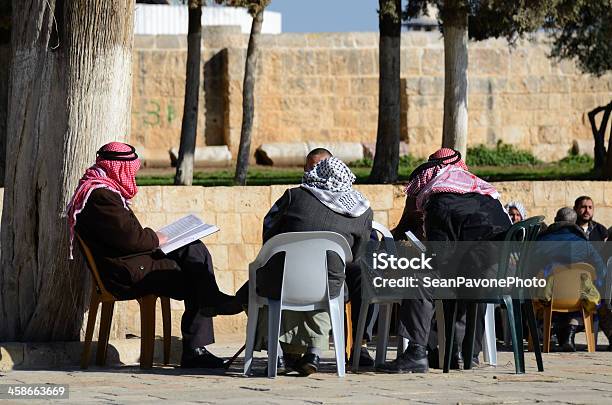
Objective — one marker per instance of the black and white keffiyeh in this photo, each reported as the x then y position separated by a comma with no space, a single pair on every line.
331,181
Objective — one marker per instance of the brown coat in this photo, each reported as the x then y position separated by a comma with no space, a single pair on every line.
124,251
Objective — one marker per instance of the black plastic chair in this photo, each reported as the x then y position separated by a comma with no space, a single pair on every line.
515,247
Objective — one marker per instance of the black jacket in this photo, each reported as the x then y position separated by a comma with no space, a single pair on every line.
124,251
300,211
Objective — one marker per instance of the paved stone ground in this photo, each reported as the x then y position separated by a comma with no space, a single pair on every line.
569,378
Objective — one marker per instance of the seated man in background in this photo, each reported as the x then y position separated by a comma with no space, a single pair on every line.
325,201
127,255
585,209
571,246
444,203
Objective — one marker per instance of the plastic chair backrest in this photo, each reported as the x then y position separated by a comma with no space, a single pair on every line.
387,238
516,249
566,287
91,264
305,269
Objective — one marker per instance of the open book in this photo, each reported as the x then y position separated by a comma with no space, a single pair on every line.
415,241
185,231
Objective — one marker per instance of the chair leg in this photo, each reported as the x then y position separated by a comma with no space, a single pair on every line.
91,323
348,307
534,334
167,325
490,340
253,314
359,332
336,315
384,323
512,325
147,330
106,318
274,319
441,331
547,329
588,329
518,318
470,334
449,328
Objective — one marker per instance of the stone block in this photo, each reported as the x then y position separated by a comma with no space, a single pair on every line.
251,199
218,199
431,86
240,277
277,192
346,151
394,217
252,226
230,228
282,153
225,281
176,305
206,156
549,193
241,255
593,189
182,199
153,220
381,197
607,186
220,256
148,199
521,191
381,217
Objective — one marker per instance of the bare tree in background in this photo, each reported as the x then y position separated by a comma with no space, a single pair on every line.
256,9
189,125
386,158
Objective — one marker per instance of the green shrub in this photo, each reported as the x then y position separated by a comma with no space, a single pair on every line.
365,162
501,155
573,158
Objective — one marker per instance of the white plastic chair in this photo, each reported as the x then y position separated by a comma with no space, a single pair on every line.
304,288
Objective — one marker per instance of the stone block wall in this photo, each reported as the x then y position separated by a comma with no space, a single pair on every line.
324,87
239,211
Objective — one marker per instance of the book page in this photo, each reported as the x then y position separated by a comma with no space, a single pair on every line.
181,226
184,231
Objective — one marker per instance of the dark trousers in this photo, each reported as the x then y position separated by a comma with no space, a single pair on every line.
353,283
194,283
418,326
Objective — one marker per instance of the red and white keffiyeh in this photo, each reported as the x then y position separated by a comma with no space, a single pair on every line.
445,172
115,175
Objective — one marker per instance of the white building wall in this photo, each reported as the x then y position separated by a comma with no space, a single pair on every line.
153,19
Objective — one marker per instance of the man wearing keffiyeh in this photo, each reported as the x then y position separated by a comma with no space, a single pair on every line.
325,201
127,255
445,203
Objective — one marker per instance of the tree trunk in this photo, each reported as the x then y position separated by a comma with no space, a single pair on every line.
599,135
248,100
69,93
189,126
455,126
607,172
386,158
5,56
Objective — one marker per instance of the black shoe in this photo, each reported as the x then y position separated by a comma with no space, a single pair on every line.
365,360
413,360
308,364
200,358
569,344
